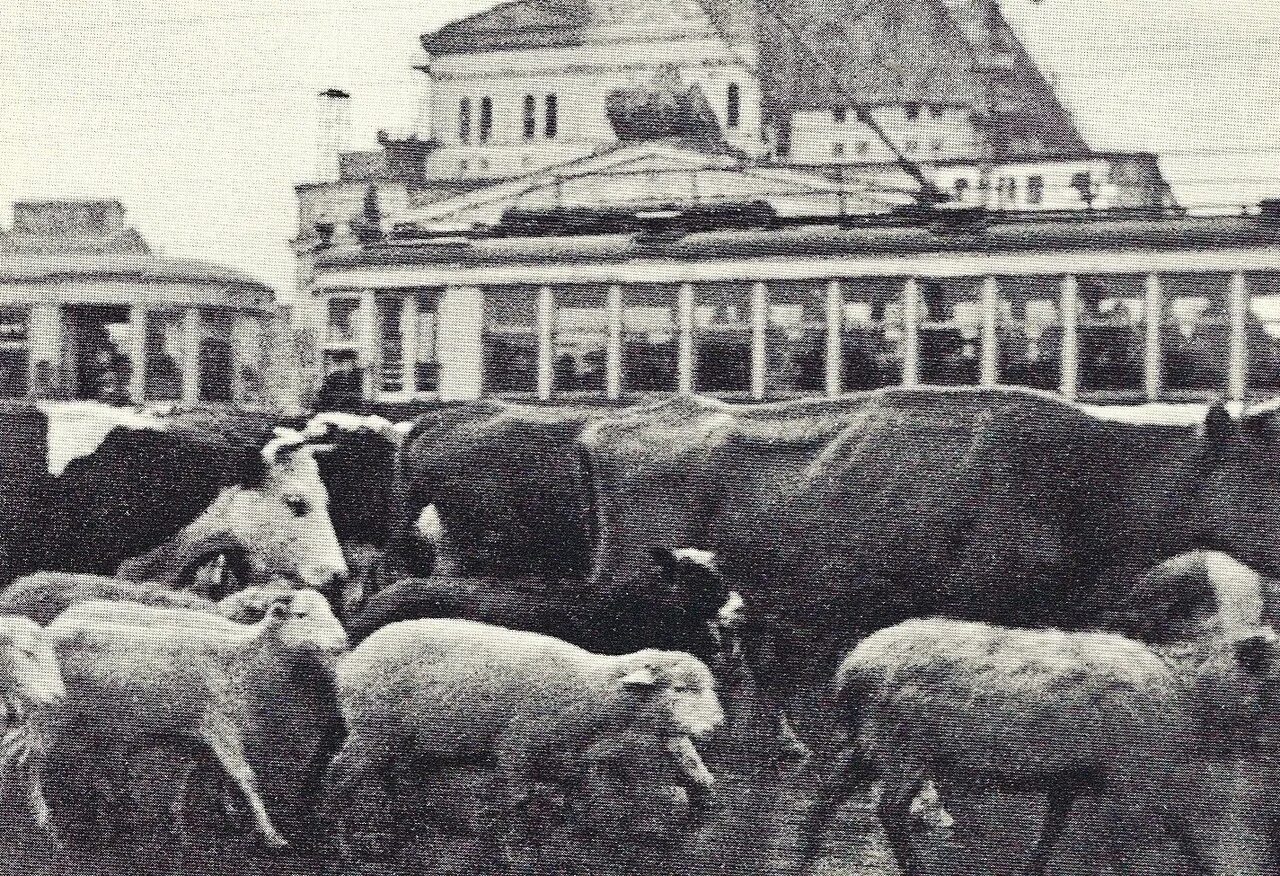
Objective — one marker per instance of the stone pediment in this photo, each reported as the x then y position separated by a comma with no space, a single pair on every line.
659,174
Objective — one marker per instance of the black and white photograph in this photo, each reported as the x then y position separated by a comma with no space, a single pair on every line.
640,438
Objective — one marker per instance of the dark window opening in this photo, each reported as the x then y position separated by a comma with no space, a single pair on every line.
530,116
1035,189
840,114
464,120
733,109
486,119
551,127
913,111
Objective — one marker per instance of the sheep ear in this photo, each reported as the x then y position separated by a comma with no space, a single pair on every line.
1256,653
642,677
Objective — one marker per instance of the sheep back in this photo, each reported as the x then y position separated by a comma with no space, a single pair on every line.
42,596
1017,704
457,686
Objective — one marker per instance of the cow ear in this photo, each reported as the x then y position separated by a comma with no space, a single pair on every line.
664,558
1220,429
1256,653
253,469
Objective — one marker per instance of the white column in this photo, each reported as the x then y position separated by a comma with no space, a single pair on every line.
191,332
409,341
613,343
460,343
759,335
546,325
1153,311
137,353
684,357
1069,308
247,353
1238,350
989,373
367,339
835,326
911,333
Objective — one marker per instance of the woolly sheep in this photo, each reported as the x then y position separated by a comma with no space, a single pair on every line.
42,596
135,672
464,691
971,705
30,686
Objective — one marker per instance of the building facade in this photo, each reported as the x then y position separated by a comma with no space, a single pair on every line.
551,129
88,311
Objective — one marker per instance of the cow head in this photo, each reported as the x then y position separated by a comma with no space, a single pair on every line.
702,612
1240,487
279,515
29,674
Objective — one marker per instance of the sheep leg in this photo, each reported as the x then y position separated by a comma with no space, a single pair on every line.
1061,799
894,810
230,754
849,768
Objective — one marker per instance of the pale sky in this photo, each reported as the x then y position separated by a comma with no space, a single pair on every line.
201,116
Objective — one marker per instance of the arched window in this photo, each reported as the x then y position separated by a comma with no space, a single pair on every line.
464,120
486,119
733,106
551,127
530,116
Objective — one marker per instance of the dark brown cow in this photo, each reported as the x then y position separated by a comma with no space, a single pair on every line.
505,481
838,518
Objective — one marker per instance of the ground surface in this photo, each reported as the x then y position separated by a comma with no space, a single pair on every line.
752,830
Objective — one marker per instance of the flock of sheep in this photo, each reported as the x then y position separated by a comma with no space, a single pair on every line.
100,669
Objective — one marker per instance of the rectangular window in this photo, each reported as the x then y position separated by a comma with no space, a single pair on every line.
464,120
1035,189
839,114
486,119
551,125
863,147
838,149
530,116
733,106
913,111
14,352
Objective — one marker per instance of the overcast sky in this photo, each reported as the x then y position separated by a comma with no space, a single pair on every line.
201,116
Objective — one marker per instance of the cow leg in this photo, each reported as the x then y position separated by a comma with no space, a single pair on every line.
894,811
359,768
1061,799
227,748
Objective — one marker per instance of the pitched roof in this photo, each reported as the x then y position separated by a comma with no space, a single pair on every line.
527,24
820,54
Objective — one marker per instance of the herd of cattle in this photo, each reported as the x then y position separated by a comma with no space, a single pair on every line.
554,613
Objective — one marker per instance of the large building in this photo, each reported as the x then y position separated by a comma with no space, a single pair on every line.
88,311
727,195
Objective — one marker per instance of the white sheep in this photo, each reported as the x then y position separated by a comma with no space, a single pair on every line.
42,596
135,673
461,691
973,706
30,687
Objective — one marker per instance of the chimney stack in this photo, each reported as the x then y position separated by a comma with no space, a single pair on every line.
332,134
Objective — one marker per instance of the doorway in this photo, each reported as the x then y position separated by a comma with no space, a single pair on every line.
97,352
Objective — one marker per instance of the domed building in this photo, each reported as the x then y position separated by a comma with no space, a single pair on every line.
88,311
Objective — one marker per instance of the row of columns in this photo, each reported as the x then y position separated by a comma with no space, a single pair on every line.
46,332
1069,308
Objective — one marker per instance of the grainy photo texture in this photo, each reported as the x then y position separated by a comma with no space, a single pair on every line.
639,438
